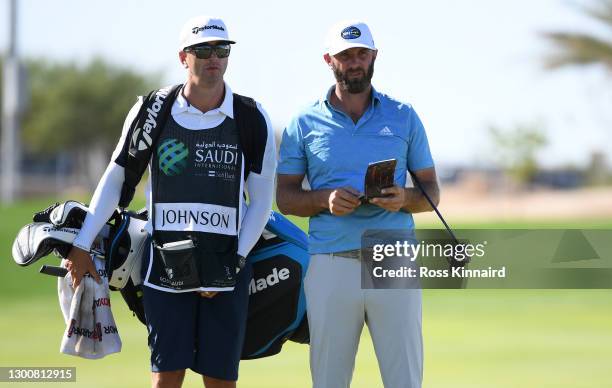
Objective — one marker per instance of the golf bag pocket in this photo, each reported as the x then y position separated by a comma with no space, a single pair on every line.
179,262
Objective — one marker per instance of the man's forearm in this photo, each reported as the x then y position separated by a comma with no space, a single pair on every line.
102,205
261,192
416,201
300,202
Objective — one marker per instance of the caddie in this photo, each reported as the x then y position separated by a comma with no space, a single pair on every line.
213,147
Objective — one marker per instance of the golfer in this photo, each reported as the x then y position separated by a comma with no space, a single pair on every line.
331,142
196,196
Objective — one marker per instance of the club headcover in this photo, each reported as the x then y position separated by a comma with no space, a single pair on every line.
69,214
121,242
38,239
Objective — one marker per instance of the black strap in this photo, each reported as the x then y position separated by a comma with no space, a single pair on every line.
253,130
143,134
156,107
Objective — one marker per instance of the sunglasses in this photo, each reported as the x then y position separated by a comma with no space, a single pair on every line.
205,51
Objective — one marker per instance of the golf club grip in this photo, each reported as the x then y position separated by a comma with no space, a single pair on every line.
417,182
53,270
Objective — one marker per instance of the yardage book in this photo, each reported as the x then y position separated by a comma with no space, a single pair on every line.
379,175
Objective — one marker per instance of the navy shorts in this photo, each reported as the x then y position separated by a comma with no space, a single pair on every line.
187,331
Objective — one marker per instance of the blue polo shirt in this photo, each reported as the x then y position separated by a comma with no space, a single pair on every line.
326,145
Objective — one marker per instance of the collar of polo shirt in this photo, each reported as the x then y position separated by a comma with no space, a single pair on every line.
227,106
327,95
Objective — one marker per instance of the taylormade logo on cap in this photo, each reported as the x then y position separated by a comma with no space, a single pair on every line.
348,34
202,29
195,30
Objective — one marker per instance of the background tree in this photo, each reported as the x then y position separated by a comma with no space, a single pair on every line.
516,149
581,49
78,112
72,107
576,48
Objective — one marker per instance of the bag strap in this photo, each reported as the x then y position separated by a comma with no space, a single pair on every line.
146,128
252,128
143,134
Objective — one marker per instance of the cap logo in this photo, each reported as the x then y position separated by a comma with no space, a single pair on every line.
195,30
351,32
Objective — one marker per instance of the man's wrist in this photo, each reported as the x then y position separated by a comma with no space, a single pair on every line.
409,198
323,198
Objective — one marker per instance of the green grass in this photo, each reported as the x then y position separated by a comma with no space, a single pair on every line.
472,338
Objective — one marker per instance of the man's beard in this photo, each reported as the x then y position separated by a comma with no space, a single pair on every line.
354,85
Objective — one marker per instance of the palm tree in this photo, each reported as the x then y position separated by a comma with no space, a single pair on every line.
582,48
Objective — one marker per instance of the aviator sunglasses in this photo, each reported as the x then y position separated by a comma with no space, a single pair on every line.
205,51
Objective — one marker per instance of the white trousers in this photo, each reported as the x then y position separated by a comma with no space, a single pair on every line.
337,309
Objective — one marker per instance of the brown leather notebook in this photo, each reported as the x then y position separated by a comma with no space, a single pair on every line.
379,175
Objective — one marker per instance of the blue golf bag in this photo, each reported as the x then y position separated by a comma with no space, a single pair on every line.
277,304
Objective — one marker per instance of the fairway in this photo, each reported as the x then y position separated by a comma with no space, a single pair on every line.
472,338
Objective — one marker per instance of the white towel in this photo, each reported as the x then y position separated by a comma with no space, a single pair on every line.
91,331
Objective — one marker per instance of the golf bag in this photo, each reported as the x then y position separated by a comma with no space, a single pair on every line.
277,306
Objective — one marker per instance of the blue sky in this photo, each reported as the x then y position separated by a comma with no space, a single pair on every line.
463,65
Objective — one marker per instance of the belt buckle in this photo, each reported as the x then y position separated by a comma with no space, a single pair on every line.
352,254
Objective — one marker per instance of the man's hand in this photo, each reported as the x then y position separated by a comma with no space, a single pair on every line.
79,263
395,199
343,201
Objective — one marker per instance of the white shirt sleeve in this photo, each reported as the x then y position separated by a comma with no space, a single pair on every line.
261,192
108,192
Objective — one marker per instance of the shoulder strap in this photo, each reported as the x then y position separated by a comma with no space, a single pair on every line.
146,127
144,132
253,130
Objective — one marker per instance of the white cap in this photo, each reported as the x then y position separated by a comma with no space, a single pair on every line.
201,29
347,34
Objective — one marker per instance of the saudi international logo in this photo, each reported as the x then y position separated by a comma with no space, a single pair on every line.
172,156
